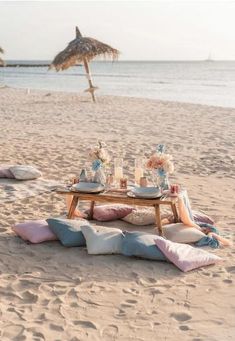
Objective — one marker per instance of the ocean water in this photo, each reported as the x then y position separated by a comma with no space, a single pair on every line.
206,82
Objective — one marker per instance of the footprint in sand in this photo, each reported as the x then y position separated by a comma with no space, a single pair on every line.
56,327
231,269
29,297
17,312
13,332
110,331
154,291
131,291
134,274
85,324
39,336
132,301
128,303
152,280
181,317
184,328
121,313
228,281
23,284
170,299
45,302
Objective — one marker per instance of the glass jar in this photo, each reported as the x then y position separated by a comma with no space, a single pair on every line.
118,169
139,171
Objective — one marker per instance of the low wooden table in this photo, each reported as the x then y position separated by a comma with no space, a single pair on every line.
120,198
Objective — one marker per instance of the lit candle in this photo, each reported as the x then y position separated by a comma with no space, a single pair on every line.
118,173
118,169
139,172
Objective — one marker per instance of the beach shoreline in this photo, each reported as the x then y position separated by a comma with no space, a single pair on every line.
171,81
81,95
51,292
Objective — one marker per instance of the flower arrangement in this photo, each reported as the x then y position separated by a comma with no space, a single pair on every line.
161,161
99,156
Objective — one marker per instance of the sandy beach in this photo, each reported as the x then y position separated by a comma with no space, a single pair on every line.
49,292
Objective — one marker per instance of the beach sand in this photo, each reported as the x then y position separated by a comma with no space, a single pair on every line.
49,292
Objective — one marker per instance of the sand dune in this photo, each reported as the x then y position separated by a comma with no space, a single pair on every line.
49,292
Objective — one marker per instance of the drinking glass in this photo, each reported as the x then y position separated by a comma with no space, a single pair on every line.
118,169
139,171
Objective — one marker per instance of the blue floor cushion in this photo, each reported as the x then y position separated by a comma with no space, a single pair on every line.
68,231
141,244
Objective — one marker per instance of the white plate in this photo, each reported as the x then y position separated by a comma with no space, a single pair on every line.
147,192
132,195
87,187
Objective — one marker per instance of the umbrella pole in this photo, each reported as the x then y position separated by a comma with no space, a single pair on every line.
91,87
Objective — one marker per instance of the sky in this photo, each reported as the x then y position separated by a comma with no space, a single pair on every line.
141,30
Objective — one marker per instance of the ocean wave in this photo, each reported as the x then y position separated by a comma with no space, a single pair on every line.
161,82
63,74
215,85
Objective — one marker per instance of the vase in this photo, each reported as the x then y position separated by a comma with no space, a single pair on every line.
160,179
100,176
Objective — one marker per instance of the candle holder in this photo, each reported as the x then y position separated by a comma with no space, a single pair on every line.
118,170
139,171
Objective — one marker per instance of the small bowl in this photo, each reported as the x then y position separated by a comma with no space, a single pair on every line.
147,192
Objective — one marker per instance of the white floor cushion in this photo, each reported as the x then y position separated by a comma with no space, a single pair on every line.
102,240
24,172
181,233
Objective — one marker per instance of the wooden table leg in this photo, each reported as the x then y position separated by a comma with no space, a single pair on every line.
175,213
73,206
158,219
91,210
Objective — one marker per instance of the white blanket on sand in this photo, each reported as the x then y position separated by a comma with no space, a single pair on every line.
12,190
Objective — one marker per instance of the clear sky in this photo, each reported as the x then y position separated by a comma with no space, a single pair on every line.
141,30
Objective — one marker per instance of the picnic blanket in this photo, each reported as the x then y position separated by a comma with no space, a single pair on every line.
12,189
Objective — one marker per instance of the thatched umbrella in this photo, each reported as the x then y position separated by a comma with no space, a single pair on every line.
83,50
1,60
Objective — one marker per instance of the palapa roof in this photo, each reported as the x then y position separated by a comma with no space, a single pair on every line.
82,48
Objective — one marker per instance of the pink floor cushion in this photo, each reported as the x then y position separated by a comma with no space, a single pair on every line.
111,212
6,173
34,231
200,217
184,256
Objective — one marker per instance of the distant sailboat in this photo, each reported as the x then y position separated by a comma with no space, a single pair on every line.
209,58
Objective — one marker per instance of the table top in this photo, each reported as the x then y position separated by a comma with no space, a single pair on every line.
118,197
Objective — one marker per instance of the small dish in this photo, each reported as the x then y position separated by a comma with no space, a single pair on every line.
147,192
132,195
87,187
